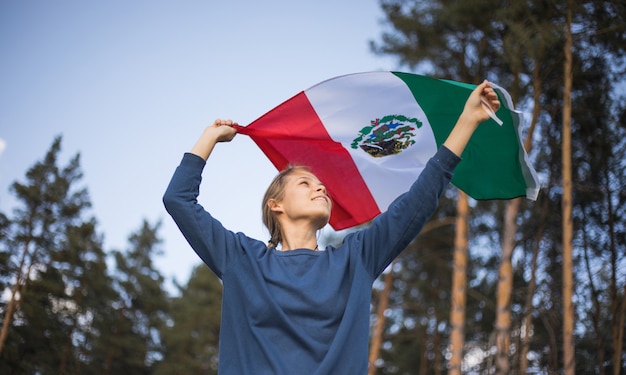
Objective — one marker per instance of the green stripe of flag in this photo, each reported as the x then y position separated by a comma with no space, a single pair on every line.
495,165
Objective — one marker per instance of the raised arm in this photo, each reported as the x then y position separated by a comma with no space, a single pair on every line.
473,114
206,235
219,131
393,230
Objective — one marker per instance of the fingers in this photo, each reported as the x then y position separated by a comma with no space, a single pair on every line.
220,122
223,130
492,98
482,104
489,102
488,95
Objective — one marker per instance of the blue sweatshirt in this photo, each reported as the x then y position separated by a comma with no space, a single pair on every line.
300,311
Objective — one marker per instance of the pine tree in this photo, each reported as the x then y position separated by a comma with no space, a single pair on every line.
89,293
59,272
135,342
190,339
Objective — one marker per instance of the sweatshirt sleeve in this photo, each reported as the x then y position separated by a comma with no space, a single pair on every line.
393,230
214,244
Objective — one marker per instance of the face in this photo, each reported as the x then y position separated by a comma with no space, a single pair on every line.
304,198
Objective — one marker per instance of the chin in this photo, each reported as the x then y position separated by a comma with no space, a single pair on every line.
322,223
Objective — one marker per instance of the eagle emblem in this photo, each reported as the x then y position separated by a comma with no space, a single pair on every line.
386,136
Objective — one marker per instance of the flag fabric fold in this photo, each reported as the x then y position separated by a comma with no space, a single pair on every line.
367,136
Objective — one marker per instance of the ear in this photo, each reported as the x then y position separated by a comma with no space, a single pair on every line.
275,205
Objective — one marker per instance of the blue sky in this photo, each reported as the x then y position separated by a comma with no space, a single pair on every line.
131,84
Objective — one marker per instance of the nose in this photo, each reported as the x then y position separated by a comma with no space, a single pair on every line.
321,188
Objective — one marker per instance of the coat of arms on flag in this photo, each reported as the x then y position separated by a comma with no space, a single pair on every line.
387,136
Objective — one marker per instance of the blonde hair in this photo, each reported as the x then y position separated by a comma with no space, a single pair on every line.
276,191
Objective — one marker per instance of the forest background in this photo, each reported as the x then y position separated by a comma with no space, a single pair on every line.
487,287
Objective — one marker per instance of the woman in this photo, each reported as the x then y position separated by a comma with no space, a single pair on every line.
298,310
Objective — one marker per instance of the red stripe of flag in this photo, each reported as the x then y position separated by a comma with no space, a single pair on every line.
293,126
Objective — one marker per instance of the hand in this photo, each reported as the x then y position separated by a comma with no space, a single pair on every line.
219,131
223,130
473,114
483,95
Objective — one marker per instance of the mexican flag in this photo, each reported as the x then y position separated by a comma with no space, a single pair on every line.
367,136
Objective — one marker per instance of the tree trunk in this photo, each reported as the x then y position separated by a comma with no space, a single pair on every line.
505,279
569,362
527,326
526,329
617,349
617,312
379,326
12,304
459,285
505,288
8,316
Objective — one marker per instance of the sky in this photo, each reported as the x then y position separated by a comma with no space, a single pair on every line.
130,85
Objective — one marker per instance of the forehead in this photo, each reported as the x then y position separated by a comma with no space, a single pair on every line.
302,174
